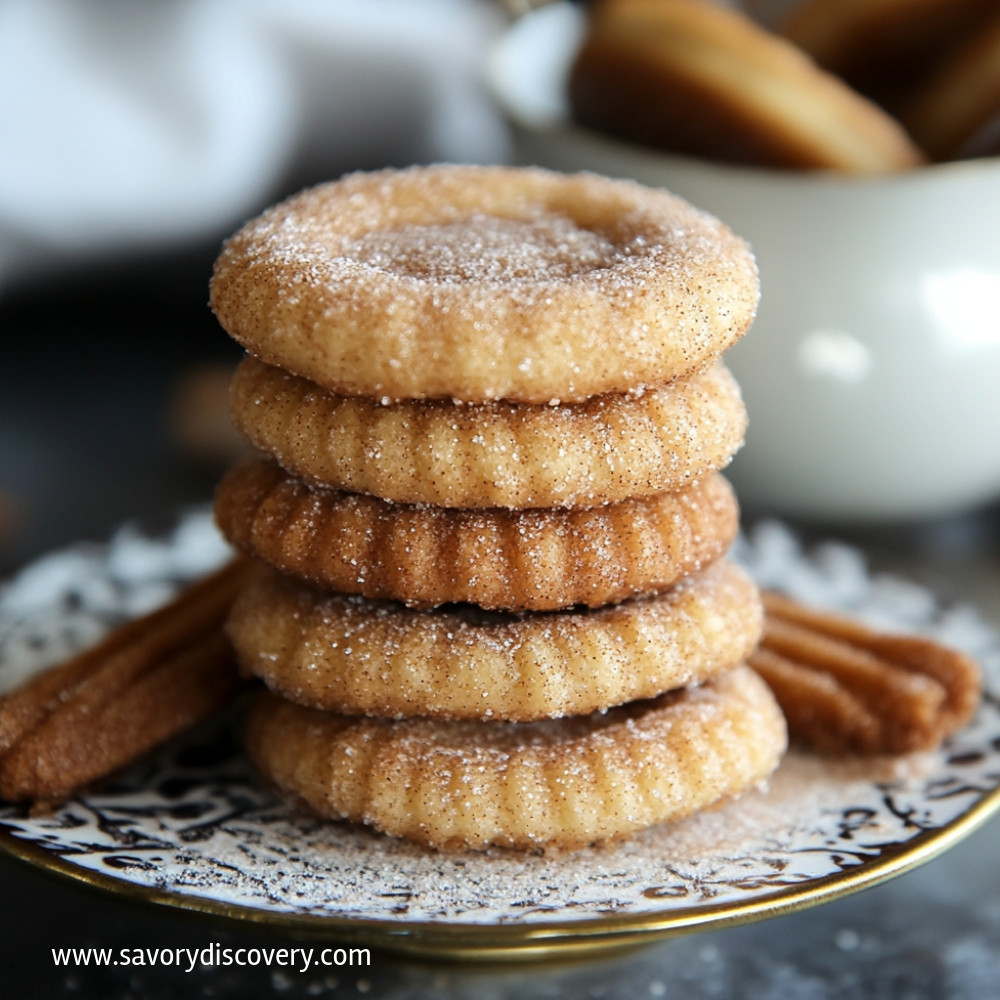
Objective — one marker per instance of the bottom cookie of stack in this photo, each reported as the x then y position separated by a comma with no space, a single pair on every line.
555,784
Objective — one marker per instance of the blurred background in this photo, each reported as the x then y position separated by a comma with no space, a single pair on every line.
134,137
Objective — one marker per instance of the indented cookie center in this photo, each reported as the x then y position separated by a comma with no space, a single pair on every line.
488,249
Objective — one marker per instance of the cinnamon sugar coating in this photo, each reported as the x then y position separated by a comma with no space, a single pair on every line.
500,559
481,283
557,784
356,656
609,448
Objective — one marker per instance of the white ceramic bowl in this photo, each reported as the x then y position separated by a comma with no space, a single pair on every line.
872,373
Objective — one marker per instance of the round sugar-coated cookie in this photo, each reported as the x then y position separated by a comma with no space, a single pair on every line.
558,784
609,448
357,656
540,560
480,283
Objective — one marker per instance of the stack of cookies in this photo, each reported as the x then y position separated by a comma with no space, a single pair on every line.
490,416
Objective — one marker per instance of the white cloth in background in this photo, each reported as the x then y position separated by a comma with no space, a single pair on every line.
134,124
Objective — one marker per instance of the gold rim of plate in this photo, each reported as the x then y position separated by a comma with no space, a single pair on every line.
471,942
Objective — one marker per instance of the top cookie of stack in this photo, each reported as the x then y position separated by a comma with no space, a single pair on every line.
494,387
479,283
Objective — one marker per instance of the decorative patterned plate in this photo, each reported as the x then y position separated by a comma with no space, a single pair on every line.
192,828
